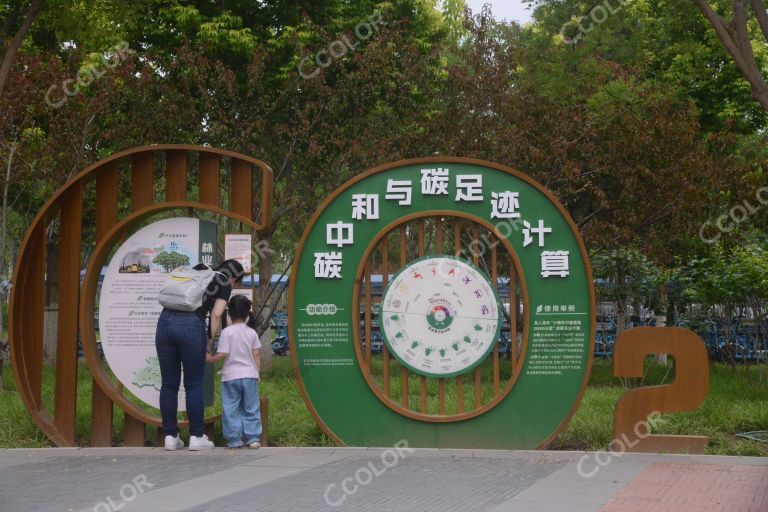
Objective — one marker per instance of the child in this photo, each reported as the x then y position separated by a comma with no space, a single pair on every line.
239,346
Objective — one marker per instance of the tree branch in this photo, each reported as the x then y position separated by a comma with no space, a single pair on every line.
762,16
13,48
734,42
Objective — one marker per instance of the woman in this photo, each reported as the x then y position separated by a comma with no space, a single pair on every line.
182,342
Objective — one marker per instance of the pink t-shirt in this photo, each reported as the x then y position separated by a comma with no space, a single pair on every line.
238,340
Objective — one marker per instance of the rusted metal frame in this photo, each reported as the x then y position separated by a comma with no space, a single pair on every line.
209,181
512,313
367,316
242,188
403,369
384,282
495,281
70,240
102,411
475,249
176,175
459,378
422,250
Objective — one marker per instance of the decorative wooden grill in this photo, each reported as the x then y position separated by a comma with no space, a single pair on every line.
118,193
440,399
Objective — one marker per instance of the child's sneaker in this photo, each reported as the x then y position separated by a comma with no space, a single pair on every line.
173,443
255,445
200,443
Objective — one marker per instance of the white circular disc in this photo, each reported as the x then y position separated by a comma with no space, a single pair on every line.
440,316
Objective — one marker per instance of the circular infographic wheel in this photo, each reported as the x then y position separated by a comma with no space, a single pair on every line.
440,316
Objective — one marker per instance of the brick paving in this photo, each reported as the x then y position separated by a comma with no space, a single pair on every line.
291,479
671,487
410,485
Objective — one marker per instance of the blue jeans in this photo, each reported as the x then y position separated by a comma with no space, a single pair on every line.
180,341
241,413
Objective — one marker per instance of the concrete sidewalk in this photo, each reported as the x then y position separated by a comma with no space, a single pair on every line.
395,479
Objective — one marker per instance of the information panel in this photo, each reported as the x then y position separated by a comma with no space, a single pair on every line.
128,304
557,292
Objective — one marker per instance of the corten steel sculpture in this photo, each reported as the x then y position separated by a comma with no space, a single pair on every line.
142,168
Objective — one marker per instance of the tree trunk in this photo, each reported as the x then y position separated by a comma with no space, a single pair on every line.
265,311
735,38
10,53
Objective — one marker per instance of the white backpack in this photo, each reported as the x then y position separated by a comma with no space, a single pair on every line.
185,288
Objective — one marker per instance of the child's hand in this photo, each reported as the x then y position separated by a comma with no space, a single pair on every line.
208,357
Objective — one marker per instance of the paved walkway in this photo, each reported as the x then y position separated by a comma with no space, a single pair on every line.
396,479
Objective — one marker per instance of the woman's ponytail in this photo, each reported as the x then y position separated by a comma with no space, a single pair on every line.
251,322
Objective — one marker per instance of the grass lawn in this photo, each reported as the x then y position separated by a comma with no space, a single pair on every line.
737,402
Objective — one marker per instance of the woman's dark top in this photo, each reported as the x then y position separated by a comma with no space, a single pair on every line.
219,288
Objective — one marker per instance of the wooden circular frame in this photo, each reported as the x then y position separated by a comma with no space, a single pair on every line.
23,335
398,407
449,160
88,300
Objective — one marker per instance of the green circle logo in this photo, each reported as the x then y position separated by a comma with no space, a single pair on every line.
439,318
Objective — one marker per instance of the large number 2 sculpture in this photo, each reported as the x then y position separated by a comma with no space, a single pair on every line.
686,393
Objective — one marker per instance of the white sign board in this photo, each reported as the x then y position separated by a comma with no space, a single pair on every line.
128,305
238,247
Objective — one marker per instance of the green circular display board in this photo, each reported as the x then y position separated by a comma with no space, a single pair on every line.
440,316
557,292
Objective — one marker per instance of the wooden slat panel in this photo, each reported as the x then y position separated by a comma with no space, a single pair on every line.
384,282
210,179
460,378
403,248
439,235
106,200
141,196
478,388
367,315
160,437
242,188
422,249
134,431
102,412
142,179
404,381
33,317
176,175
512,313
210,430
264,406
441,396
423,394
457,238
459,394
68,300
476,260
421,238
495,281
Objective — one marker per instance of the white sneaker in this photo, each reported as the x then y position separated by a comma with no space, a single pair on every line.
255,445
200,443
173,443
